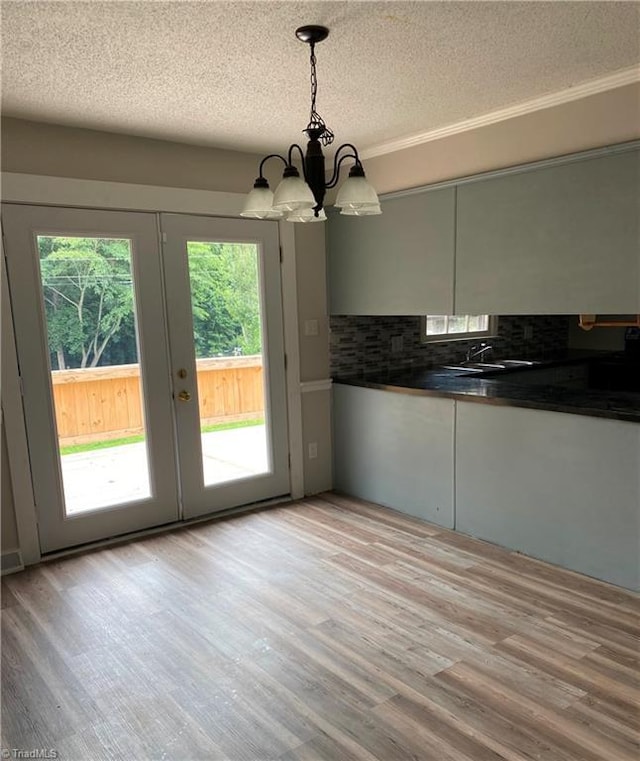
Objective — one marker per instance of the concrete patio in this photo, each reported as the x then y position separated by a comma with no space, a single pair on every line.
116,475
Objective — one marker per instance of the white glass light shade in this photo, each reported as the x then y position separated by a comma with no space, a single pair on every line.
361,211
356,191
306,215
259,205
292,194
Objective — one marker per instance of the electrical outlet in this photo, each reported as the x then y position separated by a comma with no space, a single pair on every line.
527,332
313,450
396,344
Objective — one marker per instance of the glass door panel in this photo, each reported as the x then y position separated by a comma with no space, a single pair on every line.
228,340
92,339
88,309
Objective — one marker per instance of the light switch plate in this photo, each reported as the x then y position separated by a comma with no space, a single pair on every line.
311,327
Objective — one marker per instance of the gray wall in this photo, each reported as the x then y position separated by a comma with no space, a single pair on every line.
312,300
35,148
314,354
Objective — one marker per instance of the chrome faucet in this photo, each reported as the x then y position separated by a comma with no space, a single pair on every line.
477,350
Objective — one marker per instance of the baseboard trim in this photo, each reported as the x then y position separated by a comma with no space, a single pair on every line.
112,541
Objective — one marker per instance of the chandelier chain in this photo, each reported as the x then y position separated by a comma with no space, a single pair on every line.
315,120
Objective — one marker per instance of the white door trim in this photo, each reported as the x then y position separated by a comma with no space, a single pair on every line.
15,431
68,191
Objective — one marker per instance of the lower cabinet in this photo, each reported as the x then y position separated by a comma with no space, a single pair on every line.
563,488
396,450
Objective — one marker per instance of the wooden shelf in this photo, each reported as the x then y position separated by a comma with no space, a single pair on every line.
589,321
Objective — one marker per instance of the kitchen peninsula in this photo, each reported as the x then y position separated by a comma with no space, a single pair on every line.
535,459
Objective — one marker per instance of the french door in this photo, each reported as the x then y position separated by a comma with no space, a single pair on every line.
248,463
152,363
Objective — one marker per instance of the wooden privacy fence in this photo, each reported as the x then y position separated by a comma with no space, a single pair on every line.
101,403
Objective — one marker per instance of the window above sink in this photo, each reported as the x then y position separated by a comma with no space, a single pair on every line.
457,327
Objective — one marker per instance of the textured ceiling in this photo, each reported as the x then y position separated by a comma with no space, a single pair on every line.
232,74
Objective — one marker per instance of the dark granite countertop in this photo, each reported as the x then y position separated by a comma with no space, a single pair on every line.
497,388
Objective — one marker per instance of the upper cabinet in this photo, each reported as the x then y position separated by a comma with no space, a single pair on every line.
398,263
555,239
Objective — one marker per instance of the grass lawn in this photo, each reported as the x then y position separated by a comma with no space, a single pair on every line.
76,448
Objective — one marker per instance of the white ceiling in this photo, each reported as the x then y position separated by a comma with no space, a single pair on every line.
232,74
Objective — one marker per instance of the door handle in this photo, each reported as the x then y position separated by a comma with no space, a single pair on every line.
184,396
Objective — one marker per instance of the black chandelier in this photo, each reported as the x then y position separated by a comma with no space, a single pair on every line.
302,200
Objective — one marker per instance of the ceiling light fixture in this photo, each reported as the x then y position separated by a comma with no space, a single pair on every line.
302,200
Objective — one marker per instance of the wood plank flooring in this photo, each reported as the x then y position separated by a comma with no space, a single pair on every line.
326,630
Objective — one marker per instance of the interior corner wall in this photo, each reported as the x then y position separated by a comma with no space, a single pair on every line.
598,120
314,354
311,272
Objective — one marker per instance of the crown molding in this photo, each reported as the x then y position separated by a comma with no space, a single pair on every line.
593,87
566,158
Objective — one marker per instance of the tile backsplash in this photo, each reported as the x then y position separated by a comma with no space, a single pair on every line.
364,344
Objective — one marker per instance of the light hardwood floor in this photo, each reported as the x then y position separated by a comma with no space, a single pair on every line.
329,630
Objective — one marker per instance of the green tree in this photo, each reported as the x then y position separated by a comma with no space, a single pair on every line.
88,294
242,296
214,330
89,300
224,298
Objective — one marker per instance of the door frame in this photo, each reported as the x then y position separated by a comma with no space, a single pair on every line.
98,194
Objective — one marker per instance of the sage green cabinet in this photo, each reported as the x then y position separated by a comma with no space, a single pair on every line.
396,450
559,487
560,239
562,488
398,263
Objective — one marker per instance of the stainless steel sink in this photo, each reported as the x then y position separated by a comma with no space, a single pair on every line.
476,367
463,368
486,367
